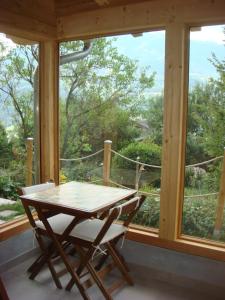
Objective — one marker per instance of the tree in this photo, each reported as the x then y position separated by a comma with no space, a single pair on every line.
6,153
154,117
17,84
101,98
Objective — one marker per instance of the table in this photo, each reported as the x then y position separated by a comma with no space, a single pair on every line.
81,200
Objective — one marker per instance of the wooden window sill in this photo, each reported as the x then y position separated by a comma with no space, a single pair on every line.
193,246
185,244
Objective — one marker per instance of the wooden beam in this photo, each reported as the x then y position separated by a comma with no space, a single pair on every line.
48,108
220,203
20,41
102,2
141,16
174,137
40,10
25,26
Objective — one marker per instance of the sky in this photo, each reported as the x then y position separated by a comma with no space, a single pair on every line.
149,50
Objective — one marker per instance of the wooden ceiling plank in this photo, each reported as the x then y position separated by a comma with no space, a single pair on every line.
25,27
141,16
40,10
102,2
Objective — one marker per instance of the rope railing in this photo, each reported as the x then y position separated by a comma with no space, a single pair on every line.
135,161
205,162
81,158
139,163
158,194
159,167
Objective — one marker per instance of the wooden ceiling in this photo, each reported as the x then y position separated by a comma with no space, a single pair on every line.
40,20
68,7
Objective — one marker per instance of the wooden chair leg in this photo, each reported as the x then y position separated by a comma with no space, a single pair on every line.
113,244
35,263
119,264
95,276
46,259
3,292
40,261
75,277
105,257
84,259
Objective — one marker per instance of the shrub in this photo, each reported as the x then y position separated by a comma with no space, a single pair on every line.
8,188
148,152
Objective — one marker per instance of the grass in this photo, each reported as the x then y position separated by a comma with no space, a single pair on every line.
17,206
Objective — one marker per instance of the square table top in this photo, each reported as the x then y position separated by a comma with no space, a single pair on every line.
79,197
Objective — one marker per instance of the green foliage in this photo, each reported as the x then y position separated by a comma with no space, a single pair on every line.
199,216
149,213
102,99
206,135
17,88
146,152
8,188
154,117
6,153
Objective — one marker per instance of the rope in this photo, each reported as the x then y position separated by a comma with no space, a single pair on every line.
120,185
201,195
158,195
135,161
101,252
159,167
97,180
81,158
150,194
125,187
205,162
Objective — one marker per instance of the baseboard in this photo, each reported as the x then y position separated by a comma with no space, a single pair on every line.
146,274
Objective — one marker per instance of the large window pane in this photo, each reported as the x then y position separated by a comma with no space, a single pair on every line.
111,89
205,135
18,97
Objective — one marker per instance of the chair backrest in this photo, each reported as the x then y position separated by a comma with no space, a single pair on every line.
34,189
128,208
37,188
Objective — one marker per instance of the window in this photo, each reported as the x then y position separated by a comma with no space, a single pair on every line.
203,207
18,143
112,89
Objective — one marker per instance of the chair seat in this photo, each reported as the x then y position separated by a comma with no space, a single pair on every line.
86,230
58,223
89,229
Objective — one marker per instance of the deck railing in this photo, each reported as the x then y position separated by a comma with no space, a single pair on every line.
107,157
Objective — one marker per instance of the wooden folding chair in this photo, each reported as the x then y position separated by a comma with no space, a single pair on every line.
95,235
56,228
47,252
3,292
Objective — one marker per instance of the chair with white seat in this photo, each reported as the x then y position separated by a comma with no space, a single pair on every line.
102,235
61,221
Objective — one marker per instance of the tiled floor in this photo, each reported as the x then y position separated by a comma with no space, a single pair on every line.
19,287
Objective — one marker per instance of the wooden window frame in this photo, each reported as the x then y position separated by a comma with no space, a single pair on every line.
177,19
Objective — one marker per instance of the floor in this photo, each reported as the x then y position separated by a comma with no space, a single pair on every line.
19,287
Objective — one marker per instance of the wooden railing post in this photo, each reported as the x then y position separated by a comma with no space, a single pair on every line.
220,204
107,161
29,162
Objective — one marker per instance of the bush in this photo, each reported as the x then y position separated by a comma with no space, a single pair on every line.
199,216
148,153
8,188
